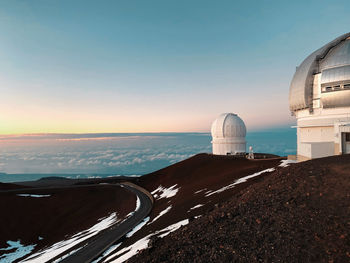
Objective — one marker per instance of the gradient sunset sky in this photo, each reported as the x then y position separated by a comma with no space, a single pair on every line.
154,66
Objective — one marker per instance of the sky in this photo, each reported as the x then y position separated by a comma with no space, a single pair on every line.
155,66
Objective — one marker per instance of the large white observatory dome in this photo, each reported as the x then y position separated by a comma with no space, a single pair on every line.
319,97
228,132
323,79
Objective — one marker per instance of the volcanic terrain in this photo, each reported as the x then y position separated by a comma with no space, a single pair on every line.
189,189
206,209
182,192
46,216
299,213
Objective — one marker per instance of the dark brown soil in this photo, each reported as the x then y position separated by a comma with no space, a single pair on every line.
296,214
65,212
8,186
202,171
71,209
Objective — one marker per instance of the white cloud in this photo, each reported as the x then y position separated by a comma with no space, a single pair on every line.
125,155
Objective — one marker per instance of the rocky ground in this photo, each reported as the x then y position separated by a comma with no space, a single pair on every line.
296,214
192,181
63,212
70,209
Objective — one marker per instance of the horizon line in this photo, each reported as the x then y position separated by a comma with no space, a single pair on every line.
145,132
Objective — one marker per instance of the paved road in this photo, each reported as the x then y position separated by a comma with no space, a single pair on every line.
96,245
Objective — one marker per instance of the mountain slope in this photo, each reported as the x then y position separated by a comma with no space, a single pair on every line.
188,189
296,214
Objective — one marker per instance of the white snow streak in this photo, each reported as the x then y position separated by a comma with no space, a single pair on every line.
30,195
163,192
141,244
107,252
197,192
173,228
138,227
20,251
239,181
62,246
195,207
130,250
138,203
166,210
285,163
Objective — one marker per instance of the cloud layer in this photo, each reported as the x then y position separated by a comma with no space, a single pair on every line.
117,154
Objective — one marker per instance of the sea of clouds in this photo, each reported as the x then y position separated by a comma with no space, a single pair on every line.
116,154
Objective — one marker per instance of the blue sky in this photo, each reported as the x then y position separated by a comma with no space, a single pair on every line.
152,66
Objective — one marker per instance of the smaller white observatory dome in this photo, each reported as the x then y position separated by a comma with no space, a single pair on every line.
228,132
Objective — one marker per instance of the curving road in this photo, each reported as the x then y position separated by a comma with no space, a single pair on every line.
96,245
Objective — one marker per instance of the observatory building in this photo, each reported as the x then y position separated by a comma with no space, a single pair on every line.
228,132
319,97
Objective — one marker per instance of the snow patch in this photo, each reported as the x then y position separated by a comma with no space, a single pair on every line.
141,244
285,163
163,192
173,228
20,251
130,250
138,203
166,210
30,195
128,215
239,181
55,250
195,207
107,252
197,192
138,227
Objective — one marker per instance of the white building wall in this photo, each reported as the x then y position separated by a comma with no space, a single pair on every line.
304,151
322,149
315,142
316,150
320,126
316,134
222,148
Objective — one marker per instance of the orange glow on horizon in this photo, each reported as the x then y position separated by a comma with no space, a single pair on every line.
40,119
